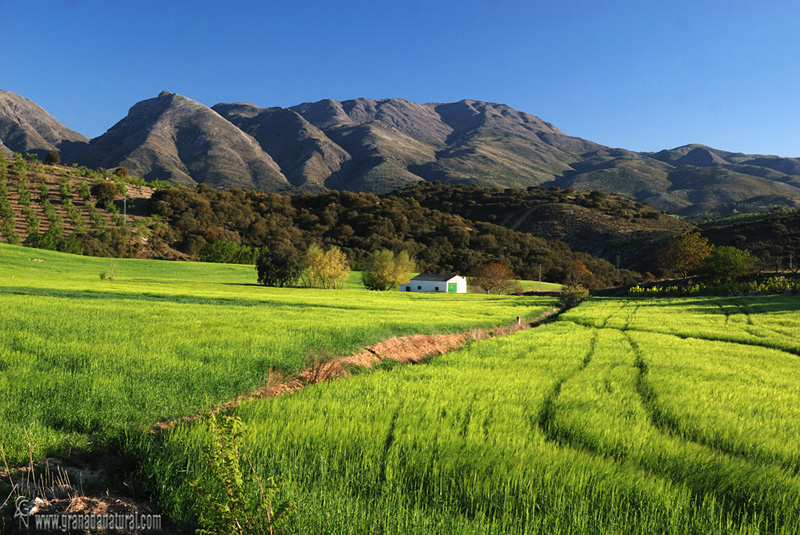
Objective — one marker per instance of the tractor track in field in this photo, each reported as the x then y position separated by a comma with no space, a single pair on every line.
545,419
788,351
664,422
412,349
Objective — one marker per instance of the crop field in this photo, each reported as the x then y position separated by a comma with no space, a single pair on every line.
85,359
624,416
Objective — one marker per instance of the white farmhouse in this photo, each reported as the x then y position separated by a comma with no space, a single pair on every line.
428,282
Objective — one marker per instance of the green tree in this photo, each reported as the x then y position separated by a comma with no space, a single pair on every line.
726,264
52,158
104,191
684,254
383,270
279,265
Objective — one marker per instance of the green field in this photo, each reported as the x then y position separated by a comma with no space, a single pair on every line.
83,360
625,416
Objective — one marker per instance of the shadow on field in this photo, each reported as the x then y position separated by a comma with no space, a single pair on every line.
759,304
87,295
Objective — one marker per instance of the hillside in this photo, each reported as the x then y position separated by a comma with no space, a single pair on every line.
56,207
53,207
378,146
175,138
604,225
774,237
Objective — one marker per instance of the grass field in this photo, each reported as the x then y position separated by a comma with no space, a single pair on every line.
625,416
84,359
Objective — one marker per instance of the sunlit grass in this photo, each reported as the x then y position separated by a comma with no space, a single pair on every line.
83,359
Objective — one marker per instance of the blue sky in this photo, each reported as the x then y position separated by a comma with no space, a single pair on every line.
640,75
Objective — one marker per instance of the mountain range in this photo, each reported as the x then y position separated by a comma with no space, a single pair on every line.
380,145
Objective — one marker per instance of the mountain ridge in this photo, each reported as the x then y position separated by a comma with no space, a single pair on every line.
380,145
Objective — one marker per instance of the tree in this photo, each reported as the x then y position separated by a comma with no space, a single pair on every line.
726,264
382,270
577,274
52,158
279,265
328,269
493,278
104,191
684,254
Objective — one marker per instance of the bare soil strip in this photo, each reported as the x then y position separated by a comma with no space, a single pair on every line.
412,349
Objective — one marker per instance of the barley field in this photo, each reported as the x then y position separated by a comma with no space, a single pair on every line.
624,416
84,359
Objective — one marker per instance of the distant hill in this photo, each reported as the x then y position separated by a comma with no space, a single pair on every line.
174,138
380,145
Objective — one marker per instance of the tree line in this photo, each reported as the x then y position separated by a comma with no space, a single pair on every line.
359,224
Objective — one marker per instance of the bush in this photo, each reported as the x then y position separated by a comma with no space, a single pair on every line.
52,158
573,295
279,265
726,264
104,191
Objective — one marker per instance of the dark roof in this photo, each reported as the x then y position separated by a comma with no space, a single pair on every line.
432,277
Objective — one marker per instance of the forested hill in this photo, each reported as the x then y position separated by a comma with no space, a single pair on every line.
604,225
774,237
99,213
362,222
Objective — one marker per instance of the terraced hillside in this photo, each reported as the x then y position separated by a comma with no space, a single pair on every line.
54,207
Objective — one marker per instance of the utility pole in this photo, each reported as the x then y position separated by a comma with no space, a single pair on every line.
618,277
540,277
125,209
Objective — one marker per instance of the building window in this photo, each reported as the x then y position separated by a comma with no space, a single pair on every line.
419,287
436,289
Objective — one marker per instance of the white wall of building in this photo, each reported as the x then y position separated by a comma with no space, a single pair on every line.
435,286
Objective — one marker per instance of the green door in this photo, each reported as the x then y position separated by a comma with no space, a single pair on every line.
452,287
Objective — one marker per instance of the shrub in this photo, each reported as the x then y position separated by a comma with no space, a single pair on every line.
382,270
573,295
726,264
104,191
279,265
52,158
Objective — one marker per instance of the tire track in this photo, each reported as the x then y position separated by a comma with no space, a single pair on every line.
670,425
545,419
